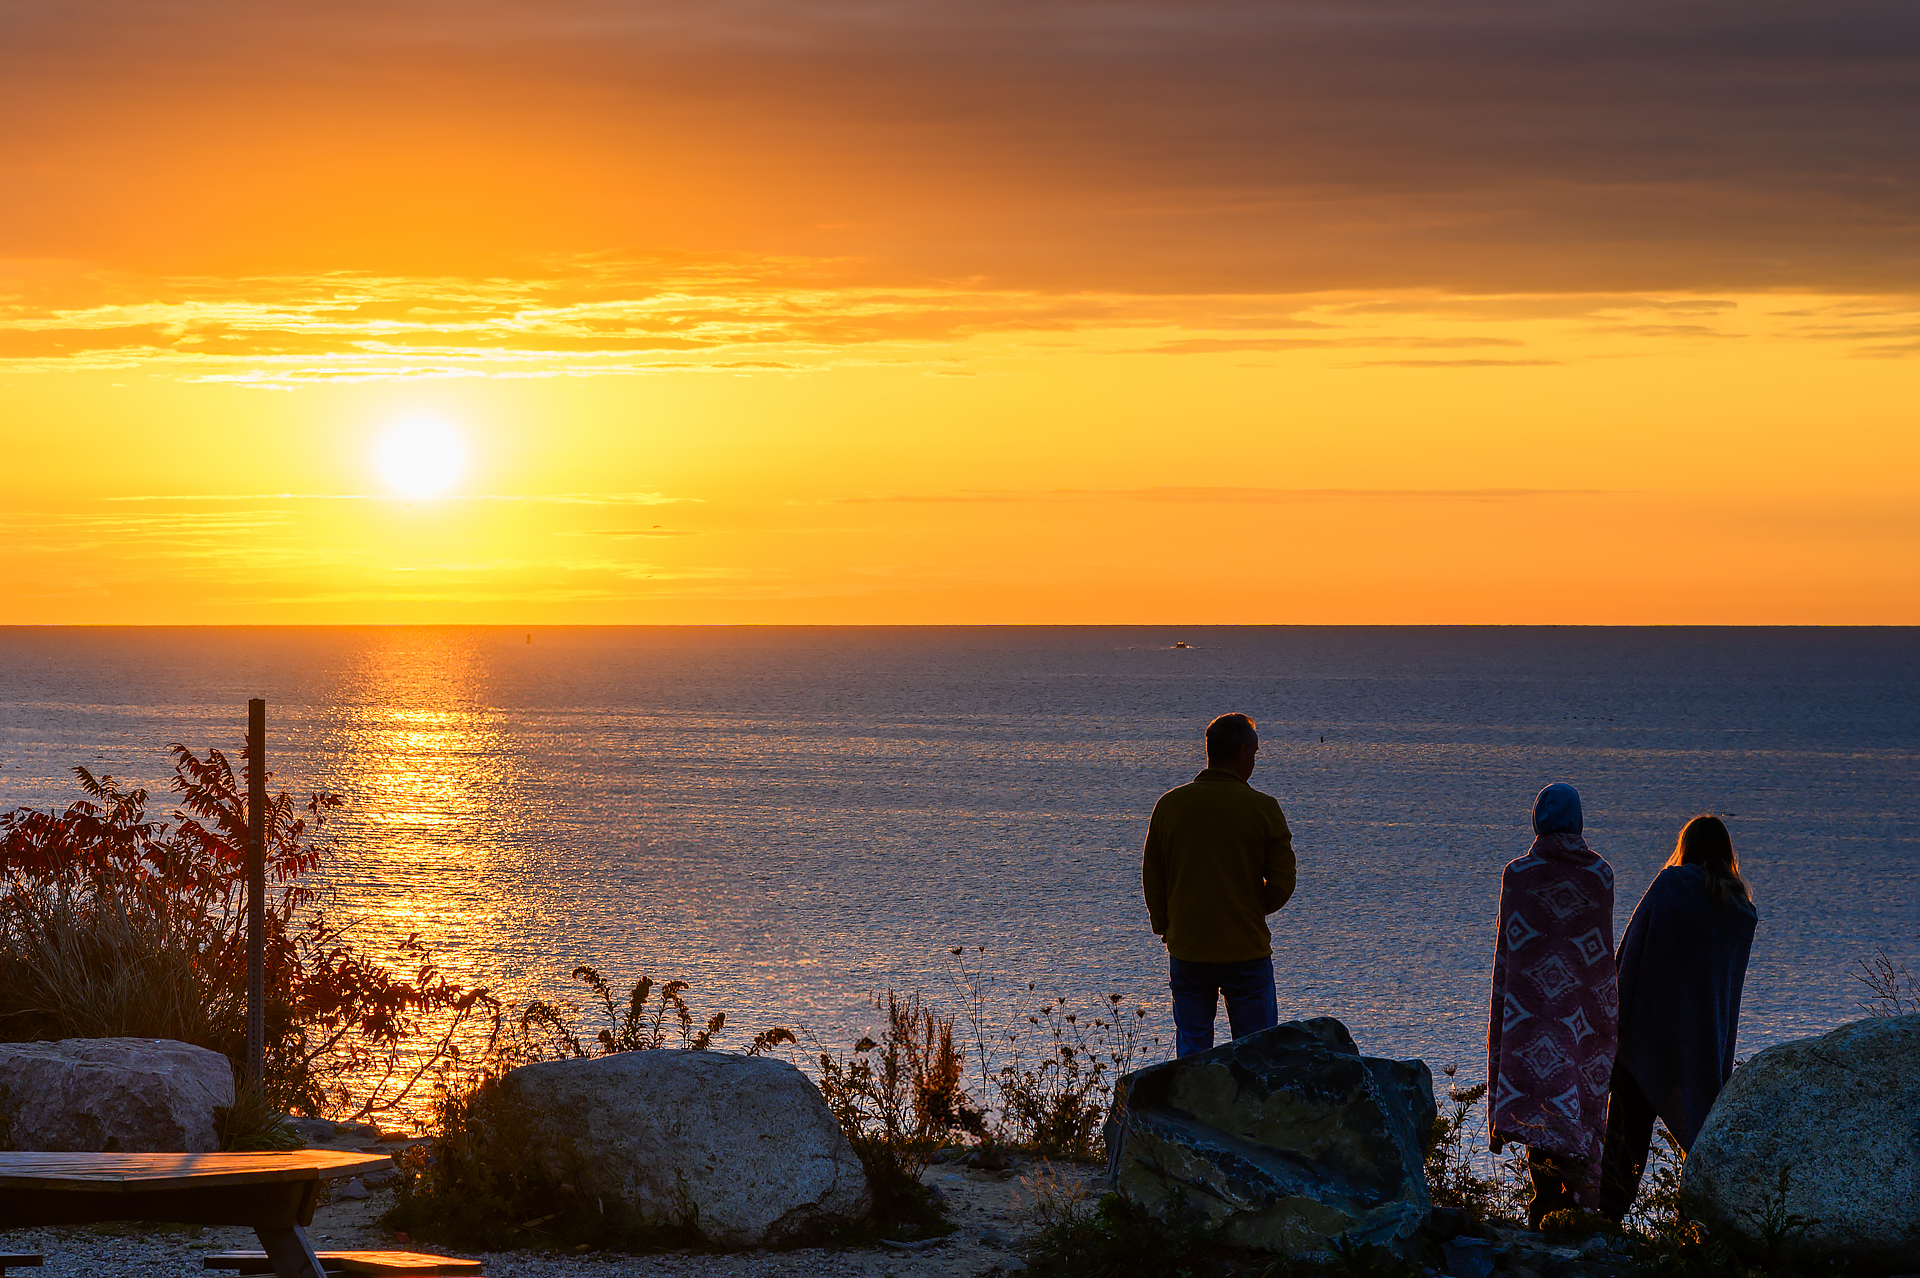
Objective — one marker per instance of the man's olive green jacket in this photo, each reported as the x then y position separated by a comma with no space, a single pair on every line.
1219,860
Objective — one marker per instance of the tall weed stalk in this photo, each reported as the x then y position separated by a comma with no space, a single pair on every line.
1892,988
1046,1085
898,1099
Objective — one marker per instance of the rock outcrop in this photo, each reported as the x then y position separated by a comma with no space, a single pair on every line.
127,1095
1817,1142
1289,1137
741,1149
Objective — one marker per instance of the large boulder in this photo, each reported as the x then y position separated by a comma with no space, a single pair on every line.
741,1149
1289,1137
126,1095
1812,1151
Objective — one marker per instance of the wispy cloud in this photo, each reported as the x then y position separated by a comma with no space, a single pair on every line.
1222,345
1459,363
1203,495
729,315
531,499
630,532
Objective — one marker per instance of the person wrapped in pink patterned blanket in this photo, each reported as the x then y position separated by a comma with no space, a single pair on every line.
1552,1028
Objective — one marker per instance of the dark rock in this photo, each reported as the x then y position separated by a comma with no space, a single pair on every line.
1824,1129
919,1245
386,1176
312,1129
1447,1222
1288,1137
1469,1257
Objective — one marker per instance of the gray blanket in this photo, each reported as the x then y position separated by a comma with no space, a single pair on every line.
1682,963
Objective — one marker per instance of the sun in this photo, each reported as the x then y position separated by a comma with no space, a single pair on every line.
421,457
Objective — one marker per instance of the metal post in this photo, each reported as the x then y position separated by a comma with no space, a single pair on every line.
256,892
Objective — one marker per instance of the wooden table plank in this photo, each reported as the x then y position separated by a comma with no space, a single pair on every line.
149,1173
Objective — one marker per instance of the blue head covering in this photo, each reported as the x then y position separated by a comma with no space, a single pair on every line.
1556,810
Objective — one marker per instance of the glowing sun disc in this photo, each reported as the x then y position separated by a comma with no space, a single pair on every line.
421,458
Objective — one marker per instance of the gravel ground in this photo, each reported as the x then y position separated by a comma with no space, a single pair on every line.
992,1209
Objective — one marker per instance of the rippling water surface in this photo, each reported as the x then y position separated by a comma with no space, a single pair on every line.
793,818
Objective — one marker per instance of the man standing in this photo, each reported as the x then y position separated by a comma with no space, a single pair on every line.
1219,859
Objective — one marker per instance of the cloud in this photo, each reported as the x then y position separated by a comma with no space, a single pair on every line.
1219,345
1088,145
1226,496
531,499
631,532
737,315
1459,363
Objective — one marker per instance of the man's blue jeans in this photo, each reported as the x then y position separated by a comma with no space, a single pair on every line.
1197,987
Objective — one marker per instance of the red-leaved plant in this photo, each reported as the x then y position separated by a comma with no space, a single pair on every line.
115,923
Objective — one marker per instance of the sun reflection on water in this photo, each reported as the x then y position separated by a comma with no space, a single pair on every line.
794,820
428,771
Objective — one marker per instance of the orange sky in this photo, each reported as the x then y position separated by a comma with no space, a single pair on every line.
958,312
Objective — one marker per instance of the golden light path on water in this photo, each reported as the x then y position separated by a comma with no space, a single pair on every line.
424,762
793,820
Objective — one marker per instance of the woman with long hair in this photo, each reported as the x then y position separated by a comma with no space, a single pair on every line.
1682,963
1550,1031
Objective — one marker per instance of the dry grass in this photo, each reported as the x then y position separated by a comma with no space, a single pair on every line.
90,967
1052,1198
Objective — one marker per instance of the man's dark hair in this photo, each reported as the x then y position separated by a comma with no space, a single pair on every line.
1227,736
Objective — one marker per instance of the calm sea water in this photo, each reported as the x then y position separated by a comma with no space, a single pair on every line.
793,819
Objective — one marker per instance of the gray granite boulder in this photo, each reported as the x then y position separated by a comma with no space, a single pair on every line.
1289,1137
1823,1129
124,1095
740,1149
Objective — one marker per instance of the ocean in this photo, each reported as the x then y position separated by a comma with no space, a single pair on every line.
796,819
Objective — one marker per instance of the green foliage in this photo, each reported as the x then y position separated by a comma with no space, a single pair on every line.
1573,1222
1778,1227
253,1122
1116,1240
116,923
1458,1176
1657,1211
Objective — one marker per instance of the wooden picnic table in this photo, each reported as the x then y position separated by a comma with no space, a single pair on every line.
274,1193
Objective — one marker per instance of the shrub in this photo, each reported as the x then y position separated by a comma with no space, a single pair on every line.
1053,1083
1459,1176
898,1100
1116,1240
633,1025
253,1122
117,923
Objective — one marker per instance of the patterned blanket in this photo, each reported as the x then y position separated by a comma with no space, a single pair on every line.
1551,1033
